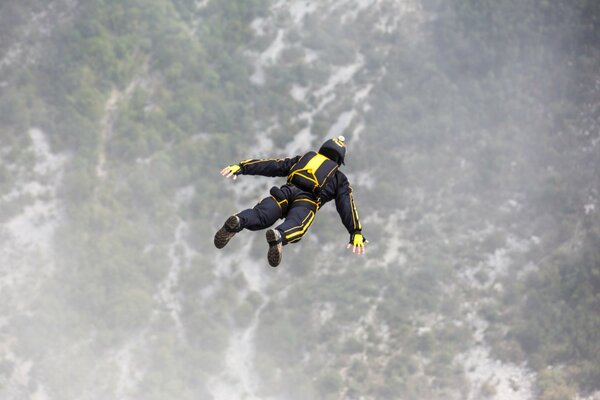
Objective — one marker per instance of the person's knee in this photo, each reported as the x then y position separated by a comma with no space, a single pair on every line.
265,214
268,218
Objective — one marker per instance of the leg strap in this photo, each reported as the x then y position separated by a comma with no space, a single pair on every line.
280,198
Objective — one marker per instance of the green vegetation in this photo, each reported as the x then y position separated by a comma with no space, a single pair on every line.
493,106
131,84
556,322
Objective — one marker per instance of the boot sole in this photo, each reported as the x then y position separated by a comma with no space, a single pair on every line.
275,249
224,235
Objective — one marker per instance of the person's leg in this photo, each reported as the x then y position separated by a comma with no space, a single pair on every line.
227,231
261,216
296,224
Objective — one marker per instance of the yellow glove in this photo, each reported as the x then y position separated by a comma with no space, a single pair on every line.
357,242
231,170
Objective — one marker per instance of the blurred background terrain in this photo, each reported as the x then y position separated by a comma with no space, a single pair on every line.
473,132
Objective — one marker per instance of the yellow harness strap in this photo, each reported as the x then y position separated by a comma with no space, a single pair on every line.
311,167
315,162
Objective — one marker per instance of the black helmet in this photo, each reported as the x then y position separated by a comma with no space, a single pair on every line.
334,149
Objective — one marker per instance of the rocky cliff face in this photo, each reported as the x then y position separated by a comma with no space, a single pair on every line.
474,183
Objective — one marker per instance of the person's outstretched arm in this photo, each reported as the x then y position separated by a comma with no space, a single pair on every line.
264,167
346,208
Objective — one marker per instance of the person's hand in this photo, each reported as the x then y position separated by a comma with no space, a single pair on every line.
231,170
357,242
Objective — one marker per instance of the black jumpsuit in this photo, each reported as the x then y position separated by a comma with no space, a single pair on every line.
296,206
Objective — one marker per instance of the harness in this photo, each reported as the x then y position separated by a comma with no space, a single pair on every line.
311,172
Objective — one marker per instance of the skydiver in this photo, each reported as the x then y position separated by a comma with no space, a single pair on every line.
313,179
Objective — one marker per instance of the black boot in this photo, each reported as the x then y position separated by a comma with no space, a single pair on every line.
229,229
275,247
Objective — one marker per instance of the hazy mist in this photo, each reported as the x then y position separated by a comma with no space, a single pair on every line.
473,131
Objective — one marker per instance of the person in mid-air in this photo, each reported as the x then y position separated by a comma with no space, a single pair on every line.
313,179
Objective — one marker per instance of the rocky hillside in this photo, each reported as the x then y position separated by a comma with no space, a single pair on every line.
473,132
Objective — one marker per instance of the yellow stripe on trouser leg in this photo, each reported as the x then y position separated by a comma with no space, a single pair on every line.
302,228
309,201
301,223
279,203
